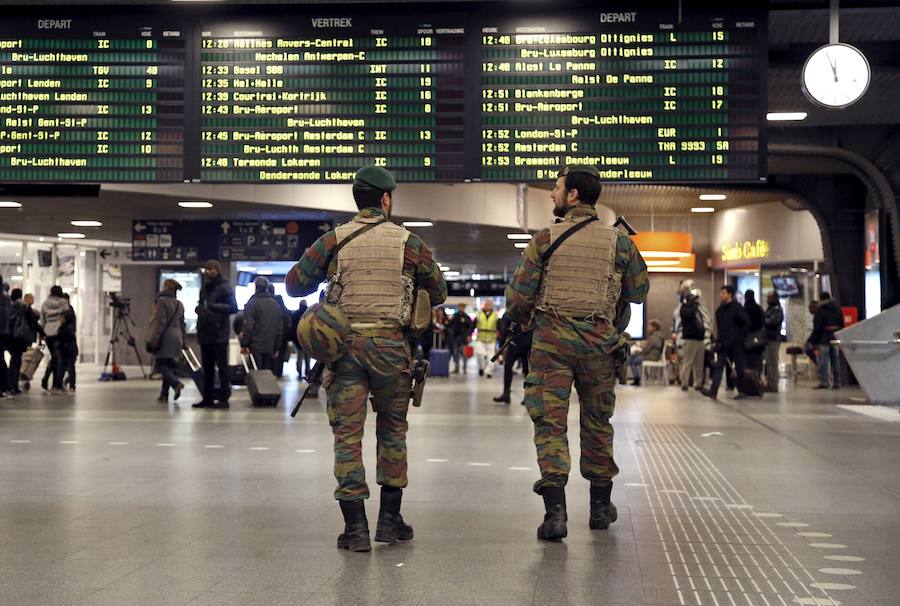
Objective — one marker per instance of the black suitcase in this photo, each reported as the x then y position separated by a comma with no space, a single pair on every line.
196,372
750,383
262,384
237,374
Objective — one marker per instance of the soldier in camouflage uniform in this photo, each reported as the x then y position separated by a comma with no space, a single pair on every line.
373,278
574,300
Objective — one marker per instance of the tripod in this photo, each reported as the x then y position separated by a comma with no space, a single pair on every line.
120,329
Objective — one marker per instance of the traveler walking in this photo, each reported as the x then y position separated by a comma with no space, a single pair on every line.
52,311
166,338
6,387
774,320
694,330
732,325
827,320
486,321
263,325
24,329
460,333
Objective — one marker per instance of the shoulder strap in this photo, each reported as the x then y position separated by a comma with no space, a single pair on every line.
562,238
172,317
356,234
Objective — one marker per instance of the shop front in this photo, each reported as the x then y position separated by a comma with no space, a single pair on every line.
771,248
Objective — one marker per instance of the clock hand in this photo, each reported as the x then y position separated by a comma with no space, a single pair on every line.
833,65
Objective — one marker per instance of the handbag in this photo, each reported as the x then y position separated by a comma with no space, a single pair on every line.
154,345
468,351
755,341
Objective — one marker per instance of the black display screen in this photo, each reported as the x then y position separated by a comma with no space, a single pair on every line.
85,98
309,94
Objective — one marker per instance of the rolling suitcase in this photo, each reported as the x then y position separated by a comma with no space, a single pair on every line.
31,359
440,362
197,371
262,384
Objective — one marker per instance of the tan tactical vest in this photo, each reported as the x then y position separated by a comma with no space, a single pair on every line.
581,280
370,284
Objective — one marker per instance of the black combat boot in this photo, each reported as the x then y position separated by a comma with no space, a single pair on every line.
391,527
603,512
356,528
554,526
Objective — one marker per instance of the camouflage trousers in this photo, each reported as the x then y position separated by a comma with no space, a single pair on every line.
380,366
547,390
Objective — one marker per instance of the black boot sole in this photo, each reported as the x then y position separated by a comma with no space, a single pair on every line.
350,545
388,533
603,523
554,537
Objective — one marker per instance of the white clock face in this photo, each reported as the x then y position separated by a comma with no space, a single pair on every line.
836,75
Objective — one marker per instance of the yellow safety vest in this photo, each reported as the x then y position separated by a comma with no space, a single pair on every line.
487,326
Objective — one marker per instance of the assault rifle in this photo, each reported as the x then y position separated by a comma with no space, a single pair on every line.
313,382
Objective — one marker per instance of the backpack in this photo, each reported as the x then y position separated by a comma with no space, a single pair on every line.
691,322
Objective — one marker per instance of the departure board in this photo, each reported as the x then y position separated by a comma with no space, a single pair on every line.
668,92
646,95
84,98
314,98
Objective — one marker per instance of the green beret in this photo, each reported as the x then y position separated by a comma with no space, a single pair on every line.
377,177
589,169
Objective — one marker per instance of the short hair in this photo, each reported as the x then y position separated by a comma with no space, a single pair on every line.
588,187
655,324
56,291
826,296
367,196
729,289
16,294
262,284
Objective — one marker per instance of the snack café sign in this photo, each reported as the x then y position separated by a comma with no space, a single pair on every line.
744,251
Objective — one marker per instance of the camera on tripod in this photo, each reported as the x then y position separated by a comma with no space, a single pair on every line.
118,302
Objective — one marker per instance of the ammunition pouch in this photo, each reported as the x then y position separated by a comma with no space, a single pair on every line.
420,319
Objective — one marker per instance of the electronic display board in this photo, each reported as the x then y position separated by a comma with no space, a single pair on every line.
643,94
661,92
87,98
314,98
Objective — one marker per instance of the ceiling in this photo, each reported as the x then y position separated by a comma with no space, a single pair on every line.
465,247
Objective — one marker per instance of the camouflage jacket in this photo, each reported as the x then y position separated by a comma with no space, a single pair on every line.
318,263
564,335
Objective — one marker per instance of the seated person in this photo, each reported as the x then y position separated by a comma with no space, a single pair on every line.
650,351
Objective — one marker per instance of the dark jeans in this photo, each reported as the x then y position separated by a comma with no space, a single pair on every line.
57,365
4,371
734,353
166,367
264,361
303,360
512,355
214,355
17,347
457,351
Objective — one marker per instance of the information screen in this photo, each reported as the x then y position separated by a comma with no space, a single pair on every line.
308,94
643,95
315,100
91,99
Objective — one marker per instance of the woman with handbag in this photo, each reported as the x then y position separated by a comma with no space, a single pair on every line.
165,338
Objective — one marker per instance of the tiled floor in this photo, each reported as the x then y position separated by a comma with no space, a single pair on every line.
110,498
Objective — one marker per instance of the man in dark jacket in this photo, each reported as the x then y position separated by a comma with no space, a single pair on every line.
5,308
262,328
732,325
68,346
827,320
217,303
284,353
459,331
774,320
24,329
303,360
